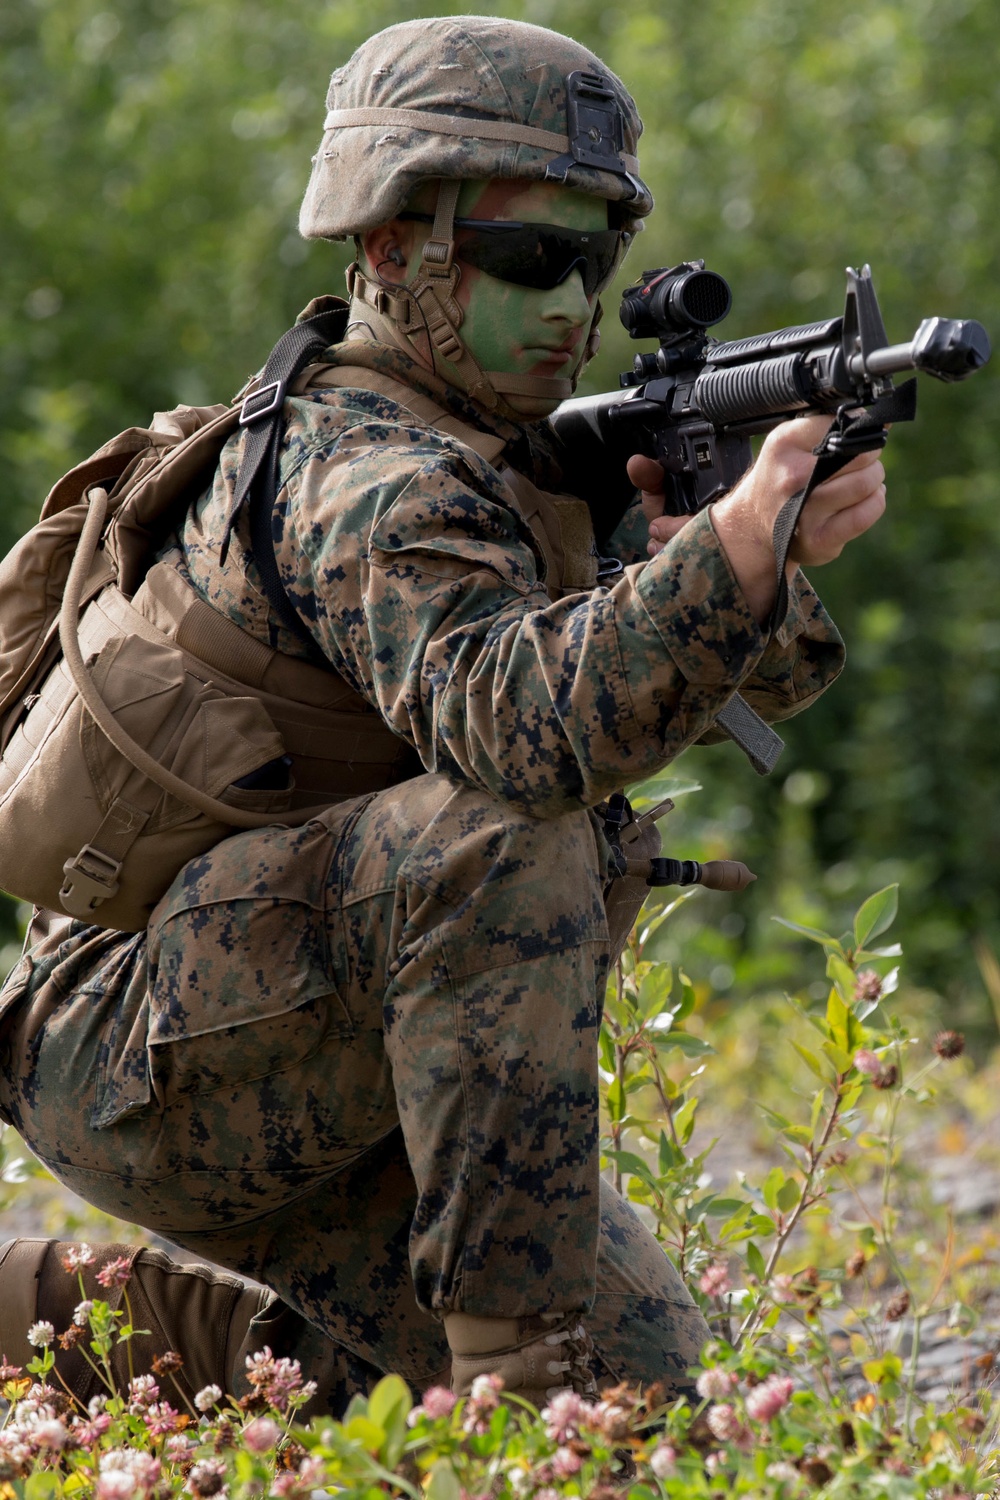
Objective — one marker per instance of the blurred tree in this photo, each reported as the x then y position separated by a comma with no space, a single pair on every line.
155,151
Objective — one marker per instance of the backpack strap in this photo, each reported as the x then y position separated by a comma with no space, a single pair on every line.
257,476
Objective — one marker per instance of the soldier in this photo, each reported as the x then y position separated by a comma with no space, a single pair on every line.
357,1060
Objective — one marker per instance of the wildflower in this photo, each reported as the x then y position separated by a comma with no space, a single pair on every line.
887,1077
867,985
82,1311
714,1385
178,1448
855,1264
949,1044
766,1400
562,1416
715,1281
89,1434
116,1273
808,1276
207,1397
782,1287
41,1334
115,1484
9,1372
50,1434
866,1062
72,1336
439,1401
75,1257
167,1363
482,1402
261,1435
723,1423
161,1419
714,1462
838,1158
817,1471
663,1460
897,1307
782,1472
208,1477
142,1392
566,1463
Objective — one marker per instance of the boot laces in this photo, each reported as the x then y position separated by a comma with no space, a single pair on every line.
574,1370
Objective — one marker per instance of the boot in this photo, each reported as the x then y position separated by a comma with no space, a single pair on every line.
211,1319
535,1357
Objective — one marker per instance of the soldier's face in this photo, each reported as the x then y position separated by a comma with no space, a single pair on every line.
519,329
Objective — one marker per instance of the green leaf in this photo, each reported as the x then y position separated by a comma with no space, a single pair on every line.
366,1432
389,1398
813,934
773,1183
836,1018
684,1119
616,1101
443,1483
654,990
880,1371
842,1061
788,1195
629,1161
670,1156
755,1262
876,914
691,1046
716,1207
810,1059
842,976
41,1486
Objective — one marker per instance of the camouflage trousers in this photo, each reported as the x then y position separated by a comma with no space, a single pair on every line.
358,1061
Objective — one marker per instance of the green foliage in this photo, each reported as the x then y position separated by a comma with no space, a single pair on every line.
154,153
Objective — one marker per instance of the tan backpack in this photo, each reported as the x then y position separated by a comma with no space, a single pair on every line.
139,726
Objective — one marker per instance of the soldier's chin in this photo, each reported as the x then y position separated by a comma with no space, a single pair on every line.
532,408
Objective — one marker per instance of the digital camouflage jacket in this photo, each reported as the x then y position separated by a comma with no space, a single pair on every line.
408,555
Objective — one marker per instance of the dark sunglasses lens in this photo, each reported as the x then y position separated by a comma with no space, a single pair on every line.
543,257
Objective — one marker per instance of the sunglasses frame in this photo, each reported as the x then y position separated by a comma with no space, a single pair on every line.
500,227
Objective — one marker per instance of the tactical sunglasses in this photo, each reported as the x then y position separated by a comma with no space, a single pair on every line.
538,255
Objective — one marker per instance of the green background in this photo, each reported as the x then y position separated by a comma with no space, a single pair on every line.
154,152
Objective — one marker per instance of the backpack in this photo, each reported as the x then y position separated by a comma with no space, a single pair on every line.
138,725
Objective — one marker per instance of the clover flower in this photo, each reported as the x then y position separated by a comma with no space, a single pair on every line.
562,1416
867,985
75,1257
261,1435
142,1392
41,1334
949,1044
437,1402
116,1273
50,1433
663,1460
481,1403
207,1397
715,1281
566,1463
161,1419
714,1385
767,1399
82,1311
87,1434
866,1062
207,1478
115,1484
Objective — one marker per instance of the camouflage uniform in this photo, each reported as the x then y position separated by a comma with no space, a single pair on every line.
357,1060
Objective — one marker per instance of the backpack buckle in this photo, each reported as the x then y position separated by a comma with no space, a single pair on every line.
274,390
92,877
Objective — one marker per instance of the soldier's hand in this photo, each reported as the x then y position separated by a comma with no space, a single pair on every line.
837,511
649,479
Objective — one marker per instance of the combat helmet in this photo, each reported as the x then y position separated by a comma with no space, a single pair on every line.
458,98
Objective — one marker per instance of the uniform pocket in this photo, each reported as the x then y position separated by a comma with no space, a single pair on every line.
239,990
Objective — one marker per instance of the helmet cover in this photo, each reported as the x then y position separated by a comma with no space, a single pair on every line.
539,106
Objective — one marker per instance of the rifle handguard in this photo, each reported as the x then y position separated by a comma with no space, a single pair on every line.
714,875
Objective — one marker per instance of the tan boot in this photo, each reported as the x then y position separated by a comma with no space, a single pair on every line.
202,1314
535,1357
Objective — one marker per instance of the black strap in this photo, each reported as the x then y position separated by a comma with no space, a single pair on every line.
850,434
257,479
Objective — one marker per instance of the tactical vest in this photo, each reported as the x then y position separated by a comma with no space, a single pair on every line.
175,726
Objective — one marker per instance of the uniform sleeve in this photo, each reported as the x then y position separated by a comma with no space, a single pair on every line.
422,585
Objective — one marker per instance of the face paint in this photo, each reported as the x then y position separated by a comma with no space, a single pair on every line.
517,329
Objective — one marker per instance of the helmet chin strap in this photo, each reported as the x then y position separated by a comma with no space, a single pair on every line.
428,314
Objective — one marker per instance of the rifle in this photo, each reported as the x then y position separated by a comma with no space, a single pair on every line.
695,403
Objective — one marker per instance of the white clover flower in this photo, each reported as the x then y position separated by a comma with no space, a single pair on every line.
81,1313
207,1397
41,1334
50,1433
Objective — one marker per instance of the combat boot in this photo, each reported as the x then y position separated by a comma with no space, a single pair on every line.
211,1319
535,1357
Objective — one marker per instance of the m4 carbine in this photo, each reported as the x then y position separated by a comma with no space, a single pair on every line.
695,403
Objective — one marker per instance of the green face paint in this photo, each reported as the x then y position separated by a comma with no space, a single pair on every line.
517,329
